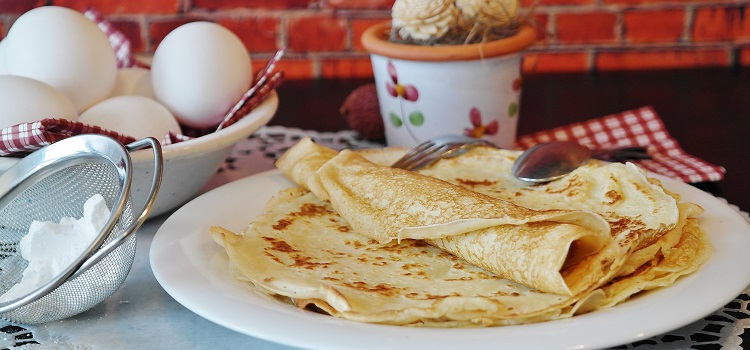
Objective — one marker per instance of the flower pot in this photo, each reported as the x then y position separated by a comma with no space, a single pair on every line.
428,91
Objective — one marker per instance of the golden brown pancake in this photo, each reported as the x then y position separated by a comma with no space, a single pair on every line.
303,250
634,205
388,204
473,249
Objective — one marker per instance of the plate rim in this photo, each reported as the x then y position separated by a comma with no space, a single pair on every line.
167,236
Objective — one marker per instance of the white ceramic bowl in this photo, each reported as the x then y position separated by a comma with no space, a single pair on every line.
190,164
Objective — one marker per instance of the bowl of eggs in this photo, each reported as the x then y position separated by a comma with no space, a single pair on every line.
56,63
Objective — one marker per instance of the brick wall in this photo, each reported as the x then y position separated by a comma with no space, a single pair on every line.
322,36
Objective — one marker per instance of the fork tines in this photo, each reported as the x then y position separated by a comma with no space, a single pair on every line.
434,149
419,154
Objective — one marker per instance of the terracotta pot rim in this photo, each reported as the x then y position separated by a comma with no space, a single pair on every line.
375,40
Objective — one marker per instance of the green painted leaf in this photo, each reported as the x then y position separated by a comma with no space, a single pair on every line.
512,109
416,118
396,120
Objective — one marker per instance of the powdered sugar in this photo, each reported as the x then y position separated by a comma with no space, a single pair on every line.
51,247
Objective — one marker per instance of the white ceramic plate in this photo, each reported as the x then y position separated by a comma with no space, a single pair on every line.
193,270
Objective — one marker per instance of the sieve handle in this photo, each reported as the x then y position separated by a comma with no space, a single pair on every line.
150,199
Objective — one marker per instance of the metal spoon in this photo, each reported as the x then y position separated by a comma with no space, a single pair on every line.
550,161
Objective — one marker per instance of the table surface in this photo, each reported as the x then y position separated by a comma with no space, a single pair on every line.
705,110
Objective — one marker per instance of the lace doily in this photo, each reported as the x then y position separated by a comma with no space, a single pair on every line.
258,152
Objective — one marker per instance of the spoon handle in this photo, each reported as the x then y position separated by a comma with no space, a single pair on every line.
621,154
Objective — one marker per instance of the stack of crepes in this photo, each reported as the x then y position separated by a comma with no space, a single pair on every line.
461,243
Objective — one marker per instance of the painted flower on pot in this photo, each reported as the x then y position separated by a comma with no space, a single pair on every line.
407,92
403,92
516,87
478,130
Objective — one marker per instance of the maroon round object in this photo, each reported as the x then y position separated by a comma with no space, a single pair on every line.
362,112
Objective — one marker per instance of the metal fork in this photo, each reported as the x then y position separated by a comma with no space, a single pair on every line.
430,151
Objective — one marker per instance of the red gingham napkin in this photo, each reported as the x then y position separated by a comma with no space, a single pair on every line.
24,138
119,42
640,127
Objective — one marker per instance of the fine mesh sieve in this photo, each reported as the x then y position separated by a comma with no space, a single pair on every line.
55,182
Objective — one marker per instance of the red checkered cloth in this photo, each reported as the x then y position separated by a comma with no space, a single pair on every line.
119,42
21,139
640,127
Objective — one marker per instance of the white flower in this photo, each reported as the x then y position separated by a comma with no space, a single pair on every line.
424,19
469,8
491,12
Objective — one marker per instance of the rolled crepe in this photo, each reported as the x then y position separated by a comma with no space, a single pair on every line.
525,246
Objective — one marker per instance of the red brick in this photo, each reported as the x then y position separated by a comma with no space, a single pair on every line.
263,4
358,27
661,59
259,62
563,2
540,22
589,27
669,3
346,68
653,25
633,2
744,56
295,68
555,62
575,27
317,33
19,6
110,7
258,34
361,4
721,24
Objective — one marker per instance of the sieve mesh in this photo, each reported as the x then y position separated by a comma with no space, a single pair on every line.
60,191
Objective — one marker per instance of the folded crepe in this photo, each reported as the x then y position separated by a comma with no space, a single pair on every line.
636,206
301,249
663,233
326,250
526,246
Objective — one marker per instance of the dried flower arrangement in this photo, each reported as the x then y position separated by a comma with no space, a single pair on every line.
453,22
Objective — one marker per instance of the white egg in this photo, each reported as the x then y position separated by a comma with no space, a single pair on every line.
25,100
133,81
64,49
135,116
199,71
